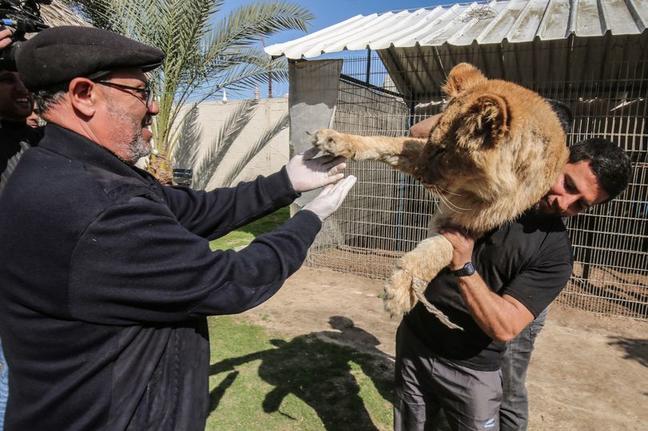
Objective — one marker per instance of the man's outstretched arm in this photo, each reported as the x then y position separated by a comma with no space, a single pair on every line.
213,214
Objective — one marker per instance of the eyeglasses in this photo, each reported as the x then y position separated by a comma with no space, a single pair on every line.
146,92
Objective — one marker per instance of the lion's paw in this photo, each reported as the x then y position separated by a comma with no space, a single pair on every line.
400,297
332,142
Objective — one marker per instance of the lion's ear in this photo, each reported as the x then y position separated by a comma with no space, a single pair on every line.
461,77
486,119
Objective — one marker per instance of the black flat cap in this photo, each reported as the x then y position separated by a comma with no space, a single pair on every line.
56,55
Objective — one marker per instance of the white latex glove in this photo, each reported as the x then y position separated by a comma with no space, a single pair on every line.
330,198
307,173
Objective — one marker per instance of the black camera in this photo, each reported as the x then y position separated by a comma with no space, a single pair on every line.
24,17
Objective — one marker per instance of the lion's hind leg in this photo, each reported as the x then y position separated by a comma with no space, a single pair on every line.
414,271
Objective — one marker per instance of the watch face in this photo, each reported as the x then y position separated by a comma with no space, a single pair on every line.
468,269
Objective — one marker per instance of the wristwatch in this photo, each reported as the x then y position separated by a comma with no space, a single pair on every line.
464,271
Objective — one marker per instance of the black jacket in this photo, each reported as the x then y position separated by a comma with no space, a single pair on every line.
105,281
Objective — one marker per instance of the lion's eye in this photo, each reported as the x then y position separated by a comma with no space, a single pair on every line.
438,151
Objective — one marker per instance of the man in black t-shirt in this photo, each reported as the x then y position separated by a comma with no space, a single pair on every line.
495,286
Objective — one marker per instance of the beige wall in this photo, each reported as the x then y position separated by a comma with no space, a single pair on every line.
270,159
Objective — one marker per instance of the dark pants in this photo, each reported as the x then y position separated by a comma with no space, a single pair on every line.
426,383
514,411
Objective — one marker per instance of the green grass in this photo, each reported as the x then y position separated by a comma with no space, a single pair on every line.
265,383
246,234
262,382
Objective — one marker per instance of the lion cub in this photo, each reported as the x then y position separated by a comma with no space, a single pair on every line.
496,150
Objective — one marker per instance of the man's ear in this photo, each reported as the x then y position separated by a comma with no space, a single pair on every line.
422,129
83,96
486,120
462,77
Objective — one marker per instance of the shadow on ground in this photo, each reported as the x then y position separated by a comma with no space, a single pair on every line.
317,368
635,348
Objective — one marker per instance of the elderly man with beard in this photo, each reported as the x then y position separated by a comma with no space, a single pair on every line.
106,276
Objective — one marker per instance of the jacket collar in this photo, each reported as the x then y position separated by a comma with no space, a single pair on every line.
76,147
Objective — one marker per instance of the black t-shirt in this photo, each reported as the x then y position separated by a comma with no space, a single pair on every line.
529,259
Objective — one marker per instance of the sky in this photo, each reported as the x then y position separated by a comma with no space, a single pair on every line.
329,12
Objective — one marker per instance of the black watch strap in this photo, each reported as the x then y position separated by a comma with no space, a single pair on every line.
466,270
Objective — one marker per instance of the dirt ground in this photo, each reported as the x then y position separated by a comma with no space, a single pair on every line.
588,372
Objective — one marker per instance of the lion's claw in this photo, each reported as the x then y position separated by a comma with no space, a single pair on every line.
399,297
404,290
331,142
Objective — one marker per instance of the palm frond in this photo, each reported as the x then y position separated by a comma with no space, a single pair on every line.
229,58
237,72
227,134
98,12
185,26
247,25
247,76
255,149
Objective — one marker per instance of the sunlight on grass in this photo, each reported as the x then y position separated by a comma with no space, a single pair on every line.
378,407
232,240
266,383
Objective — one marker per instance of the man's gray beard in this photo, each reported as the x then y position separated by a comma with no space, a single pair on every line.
139,148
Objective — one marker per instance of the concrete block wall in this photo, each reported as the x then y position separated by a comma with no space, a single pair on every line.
212,115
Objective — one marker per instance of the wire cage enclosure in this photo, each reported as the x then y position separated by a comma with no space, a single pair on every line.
387,213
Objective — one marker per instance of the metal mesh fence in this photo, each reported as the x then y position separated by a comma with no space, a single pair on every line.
387,213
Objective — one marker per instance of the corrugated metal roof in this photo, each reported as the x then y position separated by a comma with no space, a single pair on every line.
513,21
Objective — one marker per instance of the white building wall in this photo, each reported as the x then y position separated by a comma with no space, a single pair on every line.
269,160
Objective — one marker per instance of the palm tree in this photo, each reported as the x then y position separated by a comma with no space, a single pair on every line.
205,54
57,13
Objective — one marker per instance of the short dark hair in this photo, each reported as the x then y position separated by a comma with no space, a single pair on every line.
608,161
564,114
